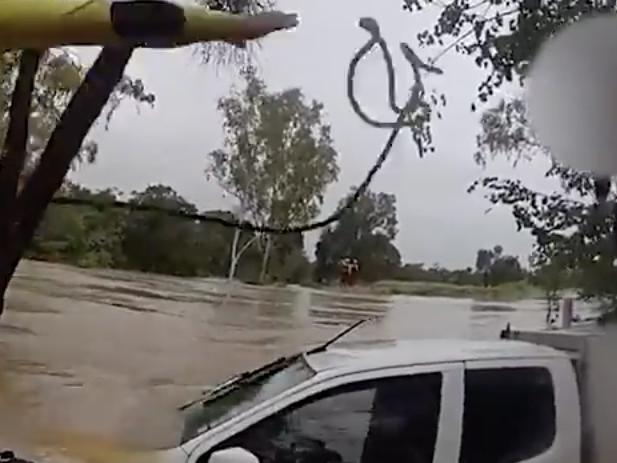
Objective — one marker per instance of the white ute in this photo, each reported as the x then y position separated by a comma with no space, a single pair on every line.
407,401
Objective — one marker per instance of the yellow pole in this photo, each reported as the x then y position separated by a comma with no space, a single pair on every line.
41,24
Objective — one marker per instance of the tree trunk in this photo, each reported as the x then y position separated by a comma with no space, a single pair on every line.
266,258
13,158
64,144
233,262
237,253
15,143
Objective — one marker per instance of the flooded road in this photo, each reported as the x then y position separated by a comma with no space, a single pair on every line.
108,355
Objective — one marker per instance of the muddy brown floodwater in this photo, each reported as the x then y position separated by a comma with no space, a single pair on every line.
101,358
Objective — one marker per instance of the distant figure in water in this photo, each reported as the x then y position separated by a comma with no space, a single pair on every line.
348,271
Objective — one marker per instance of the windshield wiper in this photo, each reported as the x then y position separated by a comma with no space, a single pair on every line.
243,378
323,346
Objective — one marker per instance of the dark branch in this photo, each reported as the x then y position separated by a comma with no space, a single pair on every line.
15,144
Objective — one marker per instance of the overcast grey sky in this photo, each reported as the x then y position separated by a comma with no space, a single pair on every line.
438,221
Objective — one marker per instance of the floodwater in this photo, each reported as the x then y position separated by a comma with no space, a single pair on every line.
106,356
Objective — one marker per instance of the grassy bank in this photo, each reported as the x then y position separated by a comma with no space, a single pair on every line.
506,292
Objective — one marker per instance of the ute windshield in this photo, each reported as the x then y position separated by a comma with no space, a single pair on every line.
206,414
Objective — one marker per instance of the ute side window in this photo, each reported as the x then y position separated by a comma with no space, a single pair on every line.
509,415
393,420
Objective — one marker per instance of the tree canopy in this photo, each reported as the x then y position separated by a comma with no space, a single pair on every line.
59,76
501,36
278,158
497,267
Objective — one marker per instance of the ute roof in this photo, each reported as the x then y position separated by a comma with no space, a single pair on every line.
361,355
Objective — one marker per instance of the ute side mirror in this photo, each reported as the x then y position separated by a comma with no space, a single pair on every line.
233,455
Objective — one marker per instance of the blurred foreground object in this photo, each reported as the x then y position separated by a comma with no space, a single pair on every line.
40,24
572,98
7,456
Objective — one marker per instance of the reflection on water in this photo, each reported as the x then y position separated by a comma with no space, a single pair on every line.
107,355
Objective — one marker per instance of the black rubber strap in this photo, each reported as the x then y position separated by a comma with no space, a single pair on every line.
141,20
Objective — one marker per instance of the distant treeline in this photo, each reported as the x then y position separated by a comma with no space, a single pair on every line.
503,269
100,236
155,242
